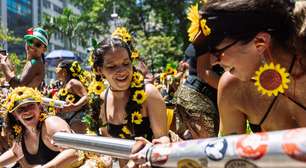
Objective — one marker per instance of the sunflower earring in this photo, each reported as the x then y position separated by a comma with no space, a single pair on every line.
271,79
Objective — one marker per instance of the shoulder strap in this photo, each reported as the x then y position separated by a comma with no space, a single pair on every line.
105,102
274,99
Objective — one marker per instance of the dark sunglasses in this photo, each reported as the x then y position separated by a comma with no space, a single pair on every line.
35,44
27,107
218,52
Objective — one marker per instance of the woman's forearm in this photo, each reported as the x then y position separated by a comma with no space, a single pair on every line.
63,159
8,73
78,105
7,158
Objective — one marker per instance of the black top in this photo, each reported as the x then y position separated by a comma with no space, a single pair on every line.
43,155
129,130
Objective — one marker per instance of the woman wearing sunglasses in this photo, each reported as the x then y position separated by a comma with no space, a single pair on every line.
30,131
256,42
33,71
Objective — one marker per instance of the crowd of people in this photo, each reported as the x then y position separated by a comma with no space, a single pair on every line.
244,69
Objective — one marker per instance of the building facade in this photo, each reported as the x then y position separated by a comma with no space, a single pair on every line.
19,15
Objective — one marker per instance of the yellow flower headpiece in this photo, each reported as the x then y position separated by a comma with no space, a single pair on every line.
21,95
123,34
198,25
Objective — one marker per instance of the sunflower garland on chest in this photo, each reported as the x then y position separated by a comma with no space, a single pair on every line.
134,105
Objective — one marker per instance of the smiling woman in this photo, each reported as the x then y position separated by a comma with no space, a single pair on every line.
30,132
131,108
256,42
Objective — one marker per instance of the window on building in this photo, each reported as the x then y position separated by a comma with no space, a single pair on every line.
46,4
57,9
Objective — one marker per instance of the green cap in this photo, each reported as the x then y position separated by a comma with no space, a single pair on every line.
38,33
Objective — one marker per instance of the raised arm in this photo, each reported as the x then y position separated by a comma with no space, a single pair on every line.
77,88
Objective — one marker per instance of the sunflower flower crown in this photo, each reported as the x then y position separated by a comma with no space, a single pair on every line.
134,105
78,73
19,94
16,96
123,34
198,25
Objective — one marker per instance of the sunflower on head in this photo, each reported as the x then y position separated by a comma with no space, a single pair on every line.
123,34
17,98
198,25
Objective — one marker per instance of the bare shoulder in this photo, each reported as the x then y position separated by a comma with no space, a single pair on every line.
230,88
74,82
54,124
152,91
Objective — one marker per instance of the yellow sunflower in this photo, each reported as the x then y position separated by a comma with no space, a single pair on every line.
126,130
135,55
123,34
122,136
138,77
197,24
75,67
63,92
17,129
271,79
19,94
70,98
96,87
139,96
162,76
136,117
42,117
136,85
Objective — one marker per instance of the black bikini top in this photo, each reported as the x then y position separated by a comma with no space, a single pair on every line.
43,155
129,130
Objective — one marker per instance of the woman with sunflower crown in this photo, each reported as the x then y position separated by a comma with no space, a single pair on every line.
30,131
256,42
74,93
131,108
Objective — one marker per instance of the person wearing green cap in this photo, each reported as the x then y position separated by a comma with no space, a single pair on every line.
30,129
33,73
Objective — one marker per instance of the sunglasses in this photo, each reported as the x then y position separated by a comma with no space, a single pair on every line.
218,52
27,107
35,44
